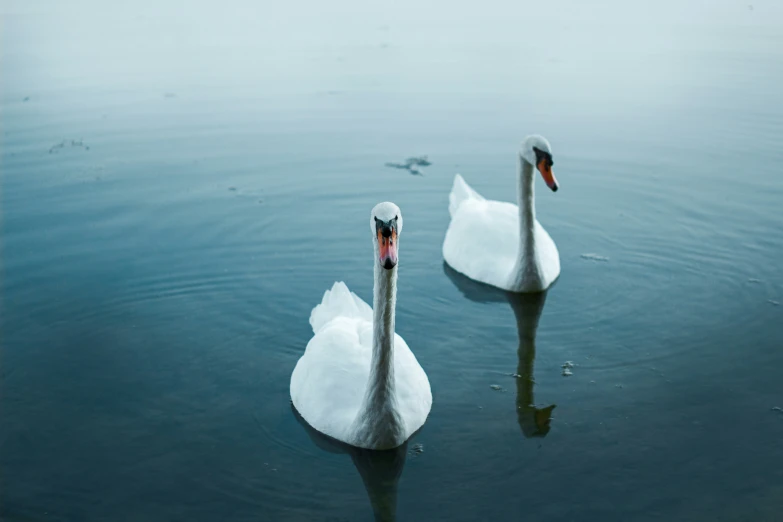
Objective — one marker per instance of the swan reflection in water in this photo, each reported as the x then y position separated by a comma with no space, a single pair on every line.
534,422
380,469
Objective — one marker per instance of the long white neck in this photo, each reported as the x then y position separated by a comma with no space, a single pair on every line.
381,383
378,423
527,209
526,273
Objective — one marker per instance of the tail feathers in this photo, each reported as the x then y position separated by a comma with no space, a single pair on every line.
461,192
339,302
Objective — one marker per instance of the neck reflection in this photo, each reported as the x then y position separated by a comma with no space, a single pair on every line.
532,420
380,470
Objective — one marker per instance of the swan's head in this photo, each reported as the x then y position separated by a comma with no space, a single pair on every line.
386,226
537,151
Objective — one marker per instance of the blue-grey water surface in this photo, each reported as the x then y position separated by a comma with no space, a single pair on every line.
180,183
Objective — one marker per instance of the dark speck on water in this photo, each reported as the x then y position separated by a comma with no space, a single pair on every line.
67,143
416,450
412,165
151,322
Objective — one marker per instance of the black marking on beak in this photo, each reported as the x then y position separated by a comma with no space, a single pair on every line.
385,227
541,155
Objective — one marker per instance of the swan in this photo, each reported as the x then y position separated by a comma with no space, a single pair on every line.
499,243
358,382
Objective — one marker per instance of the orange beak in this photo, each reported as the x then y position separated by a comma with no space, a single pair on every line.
546,172
387,246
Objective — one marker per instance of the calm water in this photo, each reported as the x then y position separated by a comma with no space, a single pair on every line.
179,187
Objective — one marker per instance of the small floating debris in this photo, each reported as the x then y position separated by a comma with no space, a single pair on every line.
773,302
567,366
618,385
594,257
514,375
754,280
496,387
567,372
416,450
412,165
57,147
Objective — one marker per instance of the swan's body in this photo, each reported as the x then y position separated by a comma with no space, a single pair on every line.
358,381
499,243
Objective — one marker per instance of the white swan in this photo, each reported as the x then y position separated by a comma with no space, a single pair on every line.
358,381
499,243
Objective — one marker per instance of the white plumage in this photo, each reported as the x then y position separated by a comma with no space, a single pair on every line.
346,385
498,243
